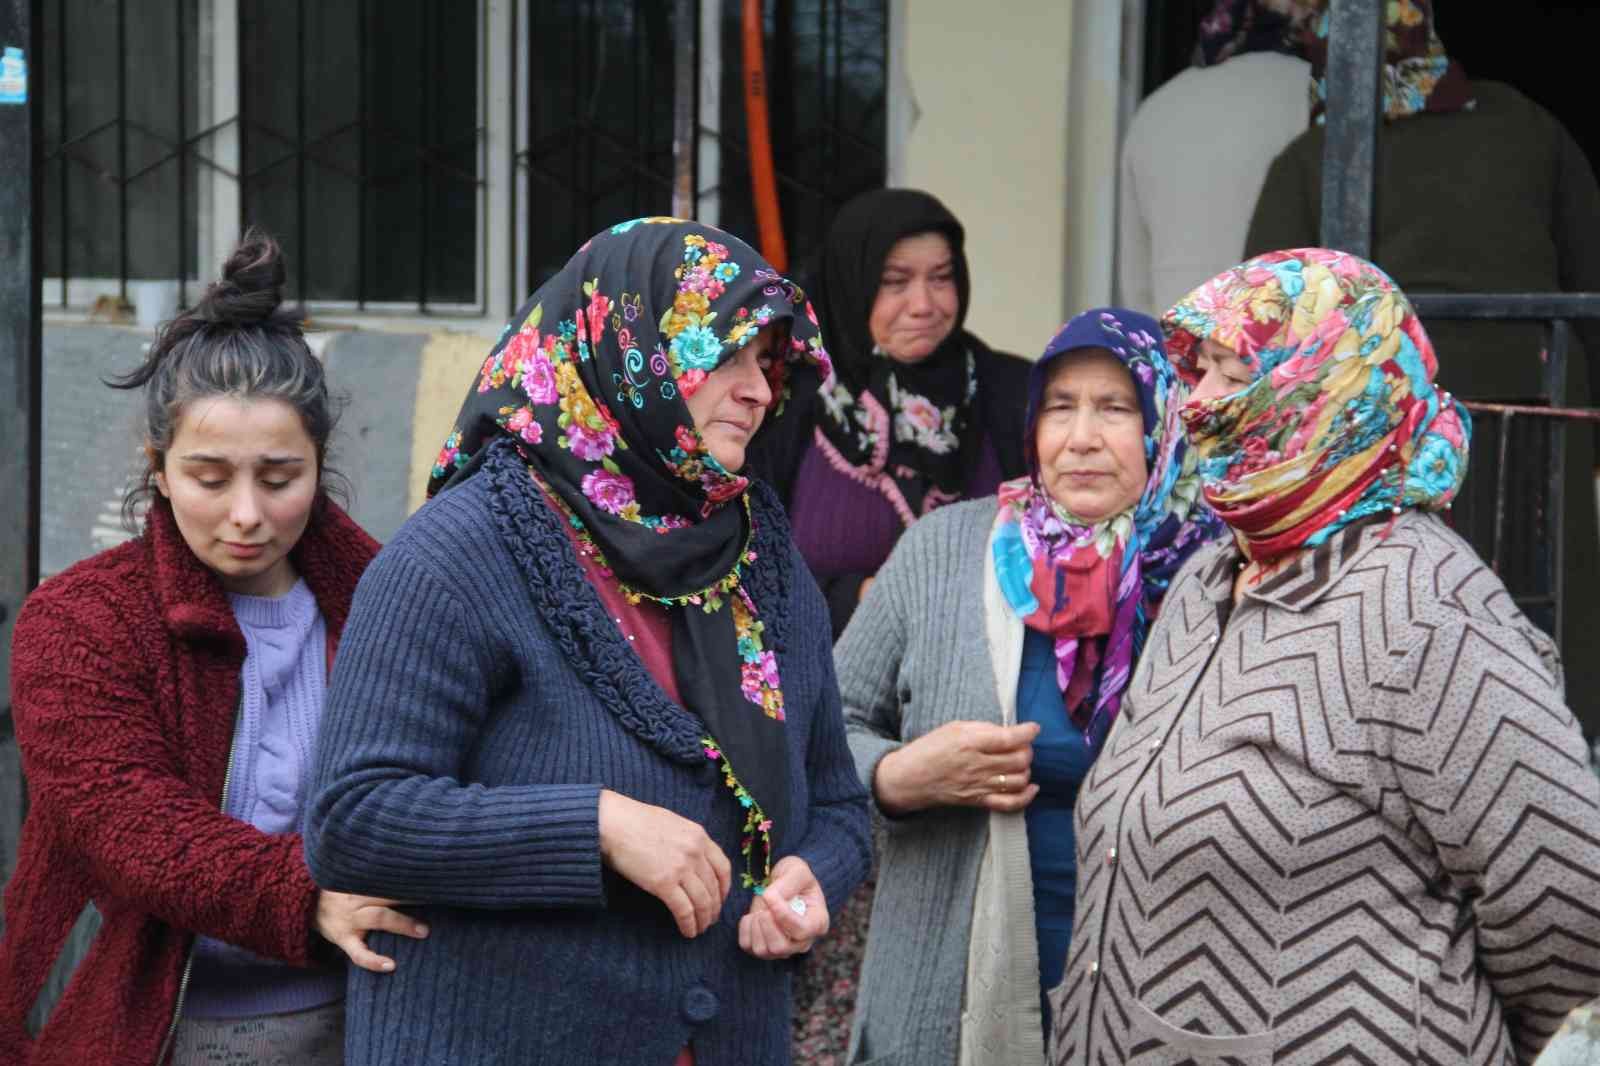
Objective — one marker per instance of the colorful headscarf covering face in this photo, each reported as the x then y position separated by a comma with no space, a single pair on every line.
589,381
1342,420
1237,27
906,430
1418,75
1078,581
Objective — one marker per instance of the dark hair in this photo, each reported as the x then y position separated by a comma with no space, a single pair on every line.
237,341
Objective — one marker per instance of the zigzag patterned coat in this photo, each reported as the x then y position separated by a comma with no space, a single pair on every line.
1349,820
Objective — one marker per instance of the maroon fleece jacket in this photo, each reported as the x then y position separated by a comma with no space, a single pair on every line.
124,681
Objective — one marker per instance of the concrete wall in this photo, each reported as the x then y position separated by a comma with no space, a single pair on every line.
985,130
403,391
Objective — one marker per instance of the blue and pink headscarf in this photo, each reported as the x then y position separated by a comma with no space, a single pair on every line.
1095,587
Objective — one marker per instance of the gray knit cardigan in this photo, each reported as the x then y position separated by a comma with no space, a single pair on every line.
933,643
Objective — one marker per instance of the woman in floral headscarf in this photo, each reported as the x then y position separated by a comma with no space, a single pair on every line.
1344,813
982,671
585,716
1477,189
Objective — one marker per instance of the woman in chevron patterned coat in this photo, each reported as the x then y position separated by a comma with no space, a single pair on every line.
1345,814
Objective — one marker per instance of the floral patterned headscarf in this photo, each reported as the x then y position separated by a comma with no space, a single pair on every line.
1341,420
1238,27
589,381
1095,587
1417,74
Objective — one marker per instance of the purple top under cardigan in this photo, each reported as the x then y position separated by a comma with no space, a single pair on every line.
281,688
844,527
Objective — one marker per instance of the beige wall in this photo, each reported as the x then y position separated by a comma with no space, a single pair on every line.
982,124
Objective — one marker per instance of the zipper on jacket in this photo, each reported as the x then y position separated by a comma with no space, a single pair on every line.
188,963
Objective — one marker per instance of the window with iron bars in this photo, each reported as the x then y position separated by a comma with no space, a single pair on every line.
601,89
350,130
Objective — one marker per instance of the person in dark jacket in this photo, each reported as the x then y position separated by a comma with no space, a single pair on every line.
167,695
918,413
585,714
1478,189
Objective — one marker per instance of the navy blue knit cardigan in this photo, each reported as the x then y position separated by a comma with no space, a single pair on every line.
480,701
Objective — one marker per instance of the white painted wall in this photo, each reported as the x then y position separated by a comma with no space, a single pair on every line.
1093,137
979,118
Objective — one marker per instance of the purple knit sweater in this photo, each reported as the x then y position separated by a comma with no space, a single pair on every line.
281,692
843,527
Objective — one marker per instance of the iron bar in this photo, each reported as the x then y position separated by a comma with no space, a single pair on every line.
1589,414
685,64
61,126
244,116
583,224
1349,151
514,296
302,254
412,146
1503,449
157,164
426,134
1555,384
108,124
183,168
1523,306
122,150
635,64
363,34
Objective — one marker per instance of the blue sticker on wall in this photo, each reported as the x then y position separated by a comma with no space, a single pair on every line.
13,77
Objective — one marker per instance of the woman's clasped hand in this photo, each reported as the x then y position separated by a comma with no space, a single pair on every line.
344,920
675,861
788,916
960,764
668,856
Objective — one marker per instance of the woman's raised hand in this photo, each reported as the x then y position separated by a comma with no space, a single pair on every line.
960,764
776,926
345,920
668,856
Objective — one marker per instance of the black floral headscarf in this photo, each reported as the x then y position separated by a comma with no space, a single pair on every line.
589,381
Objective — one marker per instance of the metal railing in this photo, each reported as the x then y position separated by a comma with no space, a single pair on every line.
1354,114
1558,311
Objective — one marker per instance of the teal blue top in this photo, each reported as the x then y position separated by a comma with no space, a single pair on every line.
1061,759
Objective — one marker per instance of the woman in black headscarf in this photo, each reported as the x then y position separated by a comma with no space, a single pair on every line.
918,412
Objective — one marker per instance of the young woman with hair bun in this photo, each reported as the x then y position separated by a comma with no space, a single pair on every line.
167,695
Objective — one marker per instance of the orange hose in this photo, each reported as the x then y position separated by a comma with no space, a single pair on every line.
763,179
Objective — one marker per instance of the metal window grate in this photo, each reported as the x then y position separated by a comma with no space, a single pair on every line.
352,131
608,86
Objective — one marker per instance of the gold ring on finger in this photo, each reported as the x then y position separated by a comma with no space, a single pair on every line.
1001,779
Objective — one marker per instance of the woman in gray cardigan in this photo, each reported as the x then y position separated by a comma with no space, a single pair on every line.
1345,814
979,675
